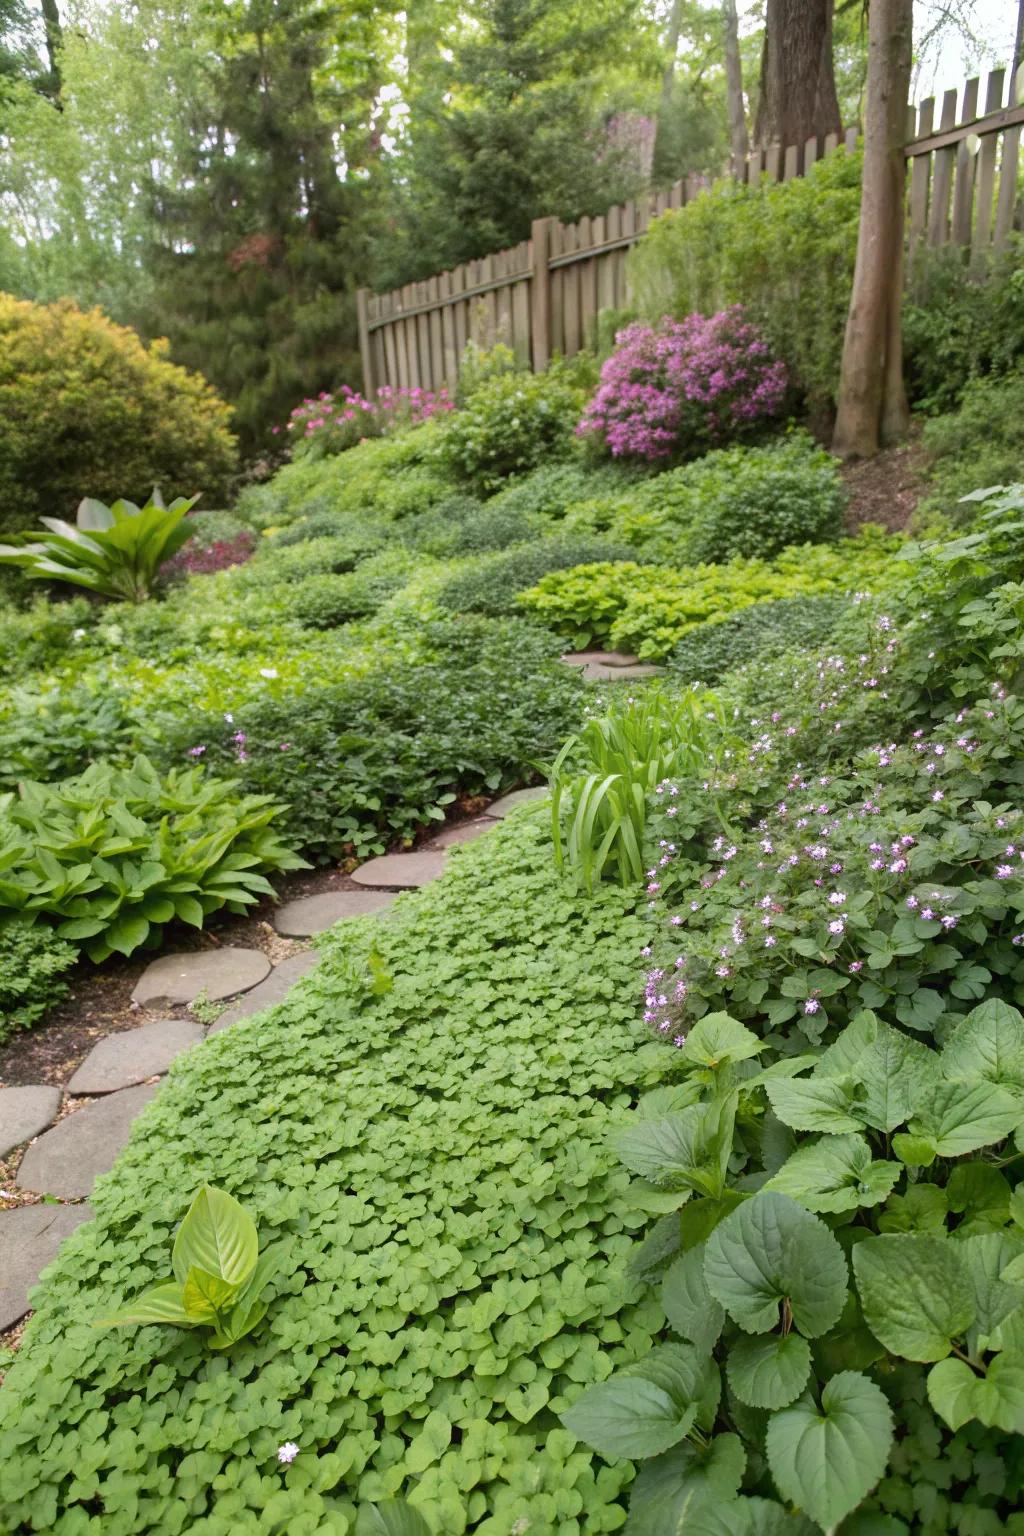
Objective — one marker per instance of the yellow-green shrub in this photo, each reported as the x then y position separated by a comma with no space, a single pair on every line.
86,409
647,608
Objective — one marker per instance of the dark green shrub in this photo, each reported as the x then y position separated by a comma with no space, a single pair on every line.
959,324
508,426
44,634
461,525
784,250
89,411
980,444
708,652
553,490
366,760
492,585
434,1162
33,963
325,600
52,733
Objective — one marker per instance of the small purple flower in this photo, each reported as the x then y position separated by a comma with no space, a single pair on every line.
812,1005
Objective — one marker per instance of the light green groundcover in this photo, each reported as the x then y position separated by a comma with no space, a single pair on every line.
436,1160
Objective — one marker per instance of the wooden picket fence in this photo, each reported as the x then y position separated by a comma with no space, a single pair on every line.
544,295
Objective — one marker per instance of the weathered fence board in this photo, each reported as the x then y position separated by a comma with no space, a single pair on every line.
544,296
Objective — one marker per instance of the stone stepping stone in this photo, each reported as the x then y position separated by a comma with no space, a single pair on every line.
277,985
29,1238
68,1158
600,658
312,914
24,1112
506,803
597,672
217,972
402,871
464,832
121,1060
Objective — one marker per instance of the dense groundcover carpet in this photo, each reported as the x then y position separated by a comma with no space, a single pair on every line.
457,1233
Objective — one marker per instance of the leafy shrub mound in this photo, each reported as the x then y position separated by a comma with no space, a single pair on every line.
676,390
784,250
434,1162
766,630
959,326
492,585
323,600
552,491
363,760
464,526
86,409
33,963
648,609
508,426
114,855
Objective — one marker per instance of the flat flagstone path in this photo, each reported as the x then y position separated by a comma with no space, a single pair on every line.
218,973
312,914
600,658
24,1112
29,1239
280,981
120,1061
401,871
464,832
66,1160
506,803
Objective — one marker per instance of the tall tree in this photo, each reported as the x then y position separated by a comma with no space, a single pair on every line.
738,138
257,245
54,35
668,77
872,405
797,99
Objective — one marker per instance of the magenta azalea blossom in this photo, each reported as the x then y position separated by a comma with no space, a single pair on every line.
684,386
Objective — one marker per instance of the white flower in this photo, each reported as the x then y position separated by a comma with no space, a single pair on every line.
268,671
230,719
287,1453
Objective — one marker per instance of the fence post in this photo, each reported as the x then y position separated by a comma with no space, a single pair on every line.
363,314
540,293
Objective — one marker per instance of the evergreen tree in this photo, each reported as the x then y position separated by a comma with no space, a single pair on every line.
255,263
513,125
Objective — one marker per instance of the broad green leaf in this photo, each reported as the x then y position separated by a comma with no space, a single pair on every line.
207,1295
922,1209
958,1393
689,1149
826,1460
764,1517
689,1306
217,1235
161,1304
671,1489
769,1371
432,1439
914,1292
842,1055
392,1517
989,1258
717,1038
640,1411
982,1195
894,1074
771,1250
815,1104
988,1043
836,1174
959,1117
915,1151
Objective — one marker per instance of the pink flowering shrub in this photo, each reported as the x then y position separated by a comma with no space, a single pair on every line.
331,423
196,559
685,386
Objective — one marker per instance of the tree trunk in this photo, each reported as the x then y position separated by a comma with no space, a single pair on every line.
1018,47
798,89
734,85
872,397
54,37
668,75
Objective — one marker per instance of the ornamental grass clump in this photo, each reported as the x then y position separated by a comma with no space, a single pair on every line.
678,389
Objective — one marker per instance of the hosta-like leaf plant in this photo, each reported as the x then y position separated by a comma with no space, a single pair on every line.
115,551
219,1275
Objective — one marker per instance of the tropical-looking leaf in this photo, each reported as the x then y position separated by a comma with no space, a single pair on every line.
217,1235
392,1517
827,1459
160,1304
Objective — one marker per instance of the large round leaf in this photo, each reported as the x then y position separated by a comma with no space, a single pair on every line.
689,1306
643,1409
771,1250
827,1459
915,1292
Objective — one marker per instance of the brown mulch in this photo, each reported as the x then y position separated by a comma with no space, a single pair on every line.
887,488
